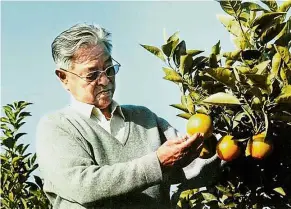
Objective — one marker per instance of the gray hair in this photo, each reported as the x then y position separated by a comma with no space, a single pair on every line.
68,42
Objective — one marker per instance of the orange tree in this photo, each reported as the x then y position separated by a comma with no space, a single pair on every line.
247,94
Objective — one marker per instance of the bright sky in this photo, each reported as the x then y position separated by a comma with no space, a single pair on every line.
28,28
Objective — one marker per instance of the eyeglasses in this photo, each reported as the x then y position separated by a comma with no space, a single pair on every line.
109,71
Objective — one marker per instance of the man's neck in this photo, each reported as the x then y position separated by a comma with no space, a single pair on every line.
106,112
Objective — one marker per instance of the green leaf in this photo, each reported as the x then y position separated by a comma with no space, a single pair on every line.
195,95
15,159
190,104
8,142
186,64
216,48
154,50
24,149
234,55
271,4
193,52
285,96
180,107
284,34
230,24
4,126
38,181
272,32
172,75
237,119
213,61
17,136
24,203
178,52
244,70
200,62
4,120
9,113
241,43
222,75
169,47
208,197
222,98
184,115
24,114
226,191
3,158
184,100
23,104
231,7
284,53
11,196
251,6
280,190
263,81
285,6
261,68
283,76
17,126
276,64
33,158
173,37
266,19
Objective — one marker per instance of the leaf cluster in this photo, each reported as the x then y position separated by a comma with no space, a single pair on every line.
246,91
17,191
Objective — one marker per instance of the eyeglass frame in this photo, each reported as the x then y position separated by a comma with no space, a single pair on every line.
100,72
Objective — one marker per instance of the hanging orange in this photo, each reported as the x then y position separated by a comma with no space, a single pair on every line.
227,149
200,123
260,148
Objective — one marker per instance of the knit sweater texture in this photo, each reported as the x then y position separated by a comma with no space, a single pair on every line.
83,166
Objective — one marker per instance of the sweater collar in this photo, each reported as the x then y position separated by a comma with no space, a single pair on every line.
88,110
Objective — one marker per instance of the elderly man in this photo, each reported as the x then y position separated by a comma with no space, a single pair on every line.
96,153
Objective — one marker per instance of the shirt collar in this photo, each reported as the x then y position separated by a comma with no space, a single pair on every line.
88,109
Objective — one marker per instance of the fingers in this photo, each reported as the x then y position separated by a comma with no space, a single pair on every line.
178,140
195,139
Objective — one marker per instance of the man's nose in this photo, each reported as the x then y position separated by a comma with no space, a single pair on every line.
103,79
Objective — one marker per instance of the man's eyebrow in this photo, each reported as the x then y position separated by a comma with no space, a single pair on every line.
108,60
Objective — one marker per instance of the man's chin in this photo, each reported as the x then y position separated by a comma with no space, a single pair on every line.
103,103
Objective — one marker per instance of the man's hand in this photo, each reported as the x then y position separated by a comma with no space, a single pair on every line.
180,152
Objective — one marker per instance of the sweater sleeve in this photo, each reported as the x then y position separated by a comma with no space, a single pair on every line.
65,163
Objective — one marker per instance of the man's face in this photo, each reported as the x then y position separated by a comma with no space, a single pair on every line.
98,92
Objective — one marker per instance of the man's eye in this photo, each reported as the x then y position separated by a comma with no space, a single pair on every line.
92,76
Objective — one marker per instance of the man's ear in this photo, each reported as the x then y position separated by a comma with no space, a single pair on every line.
63,78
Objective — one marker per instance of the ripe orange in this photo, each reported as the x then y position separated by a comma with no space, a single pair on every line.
227,149
260,148
208,149
200,123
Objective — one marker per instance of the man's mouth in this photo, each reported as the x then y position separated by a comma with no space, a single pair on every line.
104,91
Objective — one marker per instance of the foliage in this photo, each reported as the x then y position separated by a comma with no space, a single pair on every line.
17,165
246,91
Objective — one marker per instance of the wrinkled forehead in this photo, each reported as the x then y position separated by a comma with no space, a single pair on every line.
97,53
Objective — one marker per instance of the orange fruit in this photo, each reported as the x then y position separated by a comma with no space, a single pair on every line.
227,148
208,149
260,148
200,123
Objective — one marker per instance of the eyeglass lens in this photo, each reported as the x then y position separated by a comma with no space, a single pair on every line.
110,71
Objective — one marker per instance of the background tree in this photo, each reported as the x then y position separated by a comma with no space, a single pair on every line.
17,191
247,94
